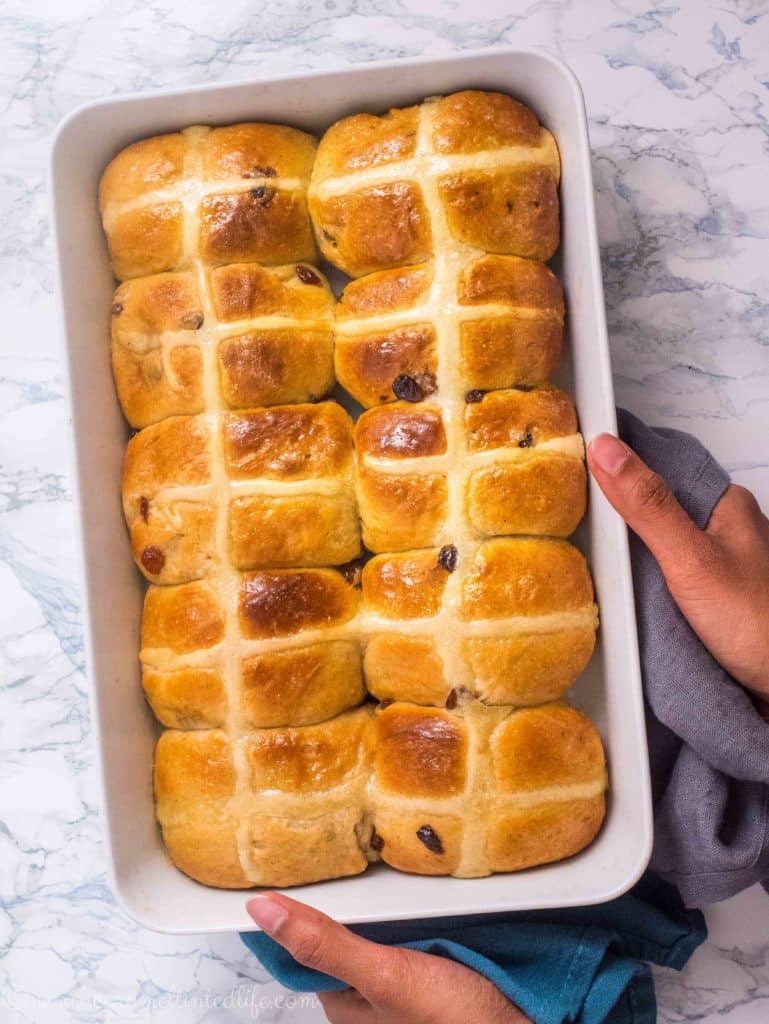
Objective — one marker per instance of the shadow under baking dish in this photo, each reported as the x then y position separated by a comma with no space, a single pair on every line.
147,885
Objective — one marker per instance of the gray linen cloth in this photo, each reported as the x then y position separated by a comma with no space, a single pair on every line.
708,746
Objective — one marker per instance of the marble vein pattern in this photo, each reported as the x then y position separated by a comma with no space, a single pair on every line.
678,98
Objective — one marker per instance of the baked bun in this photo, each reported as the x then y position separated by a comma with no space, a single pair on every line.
509,313
526,465
257,488
277,807
516,464
520,630
480,161
269,331
264,649
478,790
209,196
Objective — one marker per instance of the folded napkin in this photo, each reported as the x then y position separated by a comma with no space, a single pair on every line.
708,746
576,965
710,776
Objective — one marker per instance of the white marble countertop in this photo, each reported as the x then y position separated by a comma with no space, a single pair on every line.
677,96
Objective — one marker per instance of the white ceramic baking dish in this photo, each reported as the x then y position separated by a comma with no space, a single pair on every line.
148,886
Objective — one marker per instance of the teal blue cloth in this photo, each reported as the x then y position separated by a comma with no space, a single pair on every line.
584,965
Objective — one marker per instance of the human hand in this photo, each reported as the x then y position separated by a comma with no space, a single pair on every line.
388,985
719,577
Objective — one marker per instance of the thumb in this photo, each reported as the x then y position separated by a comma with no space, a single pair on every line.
317,941
645,502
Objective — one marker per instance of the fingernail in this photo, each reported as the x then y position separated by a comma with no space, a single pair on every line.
267,912
609,453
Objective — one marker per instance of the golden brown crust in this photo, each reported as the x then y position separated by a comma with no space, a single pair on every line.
289,442
248,184
472,121
206,850
369,217
257,152
272,366
142,167
399,831
487,789
170,494
546,747
172,452
292,443
510,280
309,529
288,601
401,512
529,487
367,365
154,381
302,685
378,227
400,431
513,211
526,577
383,226
149,306
184,649
519,342
148,240
519,419
150,388
510,327
300,761
306,788
158,323
404,586
232,840
543,833
170,515
529,668
187,698
184,618
536,797
296,819
194,785
543,491
364,140
499,352
538,591
263,224
543,495
242,291
408,668
420,752
285,851
387,291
